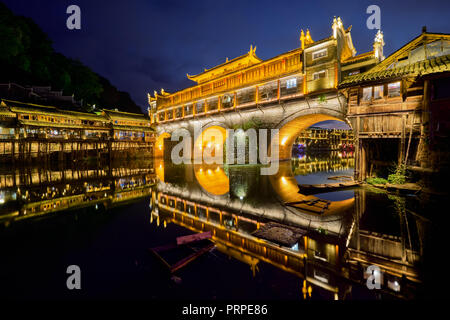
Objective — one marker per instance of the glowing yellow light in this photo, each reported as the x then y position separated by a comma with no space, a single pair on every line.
201,170
209,171
160,147
209,145
283,141
283,179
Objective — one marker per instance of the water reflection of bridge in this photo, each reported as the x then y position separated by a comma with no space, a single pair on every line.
232,235
332,252
30,192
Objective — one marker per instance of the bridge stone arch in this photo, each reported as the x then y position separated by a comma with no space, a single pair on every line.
292,126
290,117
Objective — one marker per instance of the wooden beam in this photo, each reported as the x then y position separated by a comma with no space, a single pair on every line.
180,264
194,237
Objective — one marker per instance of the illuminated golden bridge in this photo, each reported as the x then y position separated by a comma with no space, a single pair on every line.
387,102
289,92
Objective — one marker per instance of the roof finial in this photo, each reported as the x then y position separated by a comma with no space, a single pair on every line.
302,39
308,37
378,45
334,26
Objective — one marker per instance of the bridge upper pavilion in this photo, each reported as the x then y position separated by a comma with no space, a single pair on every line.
290,91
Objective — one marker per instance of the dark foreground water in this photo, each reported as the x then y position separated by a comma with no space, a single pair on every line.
268,236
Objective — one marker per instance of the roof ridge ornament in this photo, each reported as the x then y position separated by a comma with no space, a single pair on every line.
378,45
305,39
337,24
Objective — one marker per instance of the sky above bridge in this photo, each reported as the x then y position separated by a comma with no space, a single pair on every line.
144,45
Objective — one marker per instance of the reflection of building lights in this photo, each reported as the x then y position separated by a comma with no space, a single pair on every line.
241,197
209,145
201,170
160,147
217,169
209,171
394,285
283,179
283,141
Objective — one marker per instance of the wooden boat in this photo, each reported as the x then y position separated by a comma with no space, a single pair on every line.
181,243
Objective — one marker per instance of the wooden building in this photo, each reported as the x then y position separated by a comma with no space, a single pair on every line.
30,131
399,108
316,139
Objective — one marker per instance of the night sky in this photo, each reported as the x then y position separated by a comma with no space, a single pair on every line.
144,45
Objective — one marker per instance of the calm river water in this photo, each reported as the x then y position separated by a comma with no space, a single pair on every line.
270,235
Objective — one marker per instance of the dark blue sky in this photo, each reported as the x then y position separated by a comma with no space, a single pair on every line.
143,45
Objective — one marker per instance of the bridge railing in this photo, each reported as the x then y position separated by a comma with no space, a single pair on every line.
258,94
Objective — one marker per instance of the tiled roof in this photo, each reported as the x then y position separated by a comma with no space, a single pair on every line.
318,42
420,68
4,112
16,106
113,114
59,125
132,128
360,57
